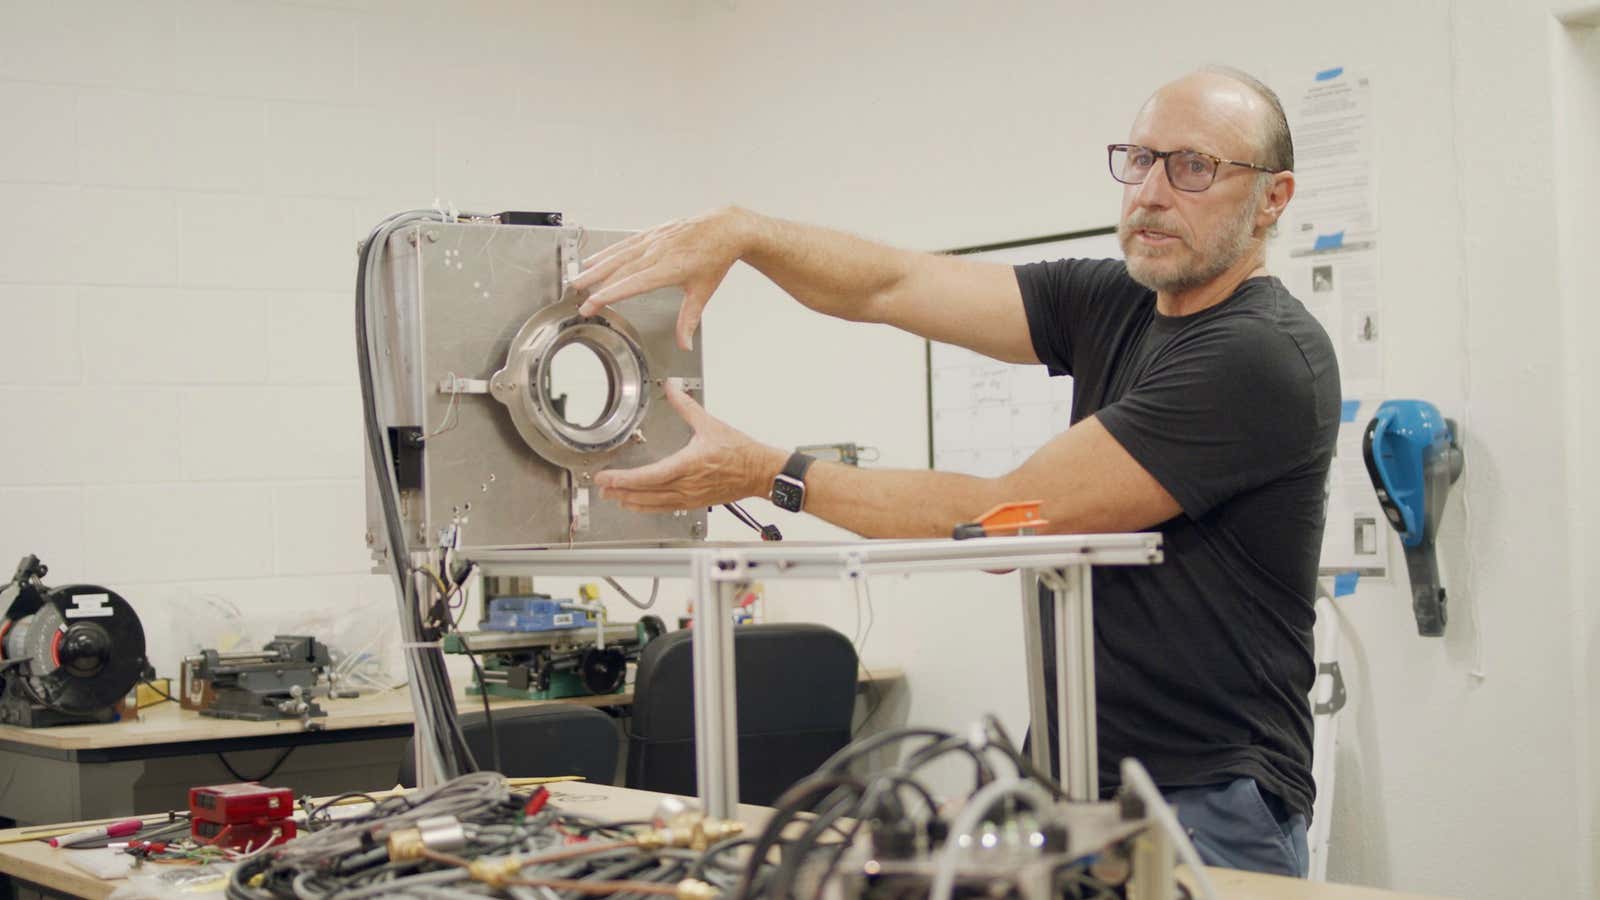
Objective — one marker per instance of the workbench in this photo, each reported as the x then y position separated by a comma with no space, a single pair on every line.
41,868
78,772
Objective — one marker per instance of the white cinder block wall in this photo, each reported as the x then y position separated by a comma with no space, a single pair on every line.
184,185
189,179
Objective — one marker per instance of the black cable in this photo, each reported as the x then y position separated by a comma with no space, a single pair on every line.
877,691
488,717
982,771
998,738
790,803
165,697
842,759
263,776
798,848
767,532
322,808
698,868
433,687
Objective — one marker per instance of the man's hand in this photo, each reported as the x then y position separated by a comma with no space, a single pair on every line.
694,254
720,464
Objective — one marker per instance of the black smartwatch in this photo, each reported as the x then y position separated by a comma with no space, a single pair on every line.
789,488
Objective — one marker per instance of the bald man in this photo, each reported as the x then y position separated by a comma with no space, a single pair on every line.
1205,406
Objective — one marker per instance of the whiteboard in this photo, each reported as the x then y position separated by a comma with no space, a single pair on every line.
985,416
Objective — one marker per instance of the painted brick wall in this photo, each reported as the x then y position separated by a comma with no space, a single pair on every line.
184,184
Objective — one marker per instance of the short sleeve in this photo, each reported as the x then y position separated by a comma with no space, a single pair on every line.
1227,408
1061,299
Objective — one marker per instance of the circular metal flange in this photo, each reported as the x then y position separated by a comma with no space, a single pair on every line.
520,385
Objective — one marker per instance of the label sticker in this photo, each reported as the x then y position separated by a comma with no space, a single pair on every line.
90,606
561,619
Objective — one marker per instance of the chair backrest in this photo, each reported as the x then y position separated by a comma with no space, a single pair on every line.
796,697
551,739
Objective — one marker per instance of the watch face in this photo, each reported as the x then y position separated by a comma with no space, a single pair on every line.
788,494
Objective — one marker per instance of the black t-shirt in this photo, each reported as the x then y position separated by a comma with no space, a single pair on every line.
1204,663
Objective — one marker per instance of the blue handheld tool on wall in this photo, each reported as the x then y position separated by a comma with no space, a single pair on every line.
1413,456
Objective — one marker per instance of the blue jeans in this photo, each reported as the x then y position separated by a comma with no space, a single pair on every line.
1234,826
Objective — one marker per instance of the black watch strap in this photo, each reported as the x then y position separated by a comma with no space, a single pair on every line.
797,465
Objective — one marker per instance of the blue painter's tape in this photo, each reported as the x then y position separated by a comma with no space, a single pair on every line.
1347,414
1344,583
1329,241
1330,74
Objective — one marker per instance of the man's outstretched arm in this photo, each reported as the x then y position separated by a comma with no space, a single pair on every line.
951,299
1086,480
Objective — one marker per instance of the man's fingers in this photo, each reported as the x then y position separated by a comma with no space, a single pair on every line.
622,247
651,501
694,303
647,477
600,271
646,279
685,405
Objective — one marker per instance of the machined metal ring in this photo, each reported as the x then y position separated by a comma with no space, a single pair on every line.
520,385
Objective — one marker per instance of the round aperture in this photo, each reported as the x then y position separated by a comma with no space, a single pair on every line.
575,385
579,385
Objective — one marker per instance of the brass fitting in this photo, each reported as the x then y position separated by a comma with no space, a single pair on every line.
695,889
494,872
405,844
710,831
695,834
653,839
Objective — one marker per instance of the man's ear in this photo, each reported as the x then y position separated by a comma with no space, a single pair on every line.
1279,193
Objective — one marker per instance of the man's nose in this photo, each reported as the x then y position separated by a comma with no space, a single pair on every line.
1155,190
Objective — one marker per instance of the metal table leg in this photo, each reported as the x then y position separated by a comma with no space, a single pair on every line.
1073,591
716,724
1033,642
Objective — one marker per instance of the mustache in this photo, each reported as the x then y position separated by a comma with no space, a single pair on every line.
1144,221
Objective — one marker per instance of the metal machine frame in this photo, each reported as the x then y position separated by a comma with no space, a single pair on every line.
1062,563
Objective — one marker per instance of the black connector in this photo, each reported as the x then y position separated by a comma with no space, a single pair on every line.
405,445
771,533
518,217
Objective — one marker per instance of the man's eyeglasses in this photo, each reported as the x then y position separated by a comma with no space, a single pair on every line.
1187,170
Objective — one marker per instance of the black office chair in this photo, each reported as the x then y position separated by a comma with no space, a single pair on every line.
796,697
555,739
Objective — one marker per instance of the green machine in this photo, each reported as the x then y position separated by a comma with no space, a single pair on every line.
536,647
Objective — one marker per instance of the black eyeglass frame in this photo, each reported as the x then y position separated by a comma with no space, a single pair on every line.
1165,157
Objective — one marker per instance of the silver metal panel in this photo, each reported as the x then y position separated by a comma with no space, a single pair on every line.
458,295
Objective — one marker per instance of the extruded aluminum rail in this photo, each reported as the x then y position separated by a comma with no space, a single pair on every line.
1062,563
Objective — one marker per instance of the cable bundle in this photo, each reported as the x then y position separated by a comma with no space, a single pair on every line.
437,729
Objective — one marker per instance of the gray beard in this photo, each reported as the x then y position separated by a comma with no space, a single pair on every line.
1214,257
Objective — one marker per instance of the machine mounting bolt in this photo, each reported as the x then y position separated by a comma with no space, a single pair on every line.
433,237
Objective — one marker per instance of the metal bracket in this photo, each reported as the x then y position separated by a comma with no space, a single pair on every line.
730,566
1336,699
855,565
568,260
687,385
457,385
579,506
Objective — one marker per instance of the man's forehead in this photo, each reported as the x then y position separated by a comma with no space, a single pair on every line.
1204,111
